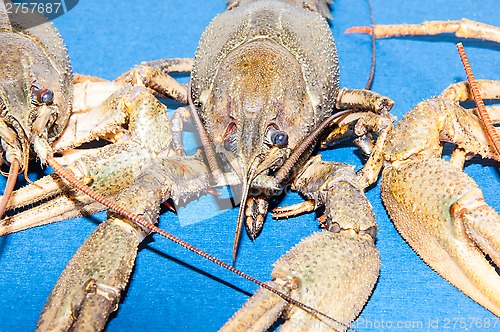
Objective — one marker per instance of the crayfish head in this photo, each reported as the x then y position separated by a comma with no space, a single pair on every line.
34,87
257,109
257,147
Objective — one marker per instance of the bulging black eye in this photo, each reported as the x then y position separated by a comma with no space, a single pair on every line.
45,96
230,142
275,136
230,137
279,138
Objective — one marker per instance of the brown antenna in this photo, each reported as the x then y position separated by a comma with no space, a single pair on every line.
481,109
9,187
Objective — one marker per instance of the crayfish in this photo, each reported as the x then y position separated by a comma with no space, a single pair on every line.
228,133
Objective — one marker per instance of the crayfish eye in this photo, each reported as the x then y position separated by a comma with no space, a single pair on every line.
277,137
230,143
230,137
45,96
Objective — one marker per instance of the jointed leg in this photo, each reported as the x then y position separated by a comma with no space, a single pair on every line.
155,76
463,28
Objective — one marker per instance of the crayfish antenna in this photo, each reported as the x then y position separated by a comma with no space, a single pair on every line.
369,82
241,216
360,29
9,187
368,30
481,109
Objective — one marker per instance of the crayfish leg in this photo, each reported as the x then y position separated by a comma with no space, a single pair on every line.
463,28
155,76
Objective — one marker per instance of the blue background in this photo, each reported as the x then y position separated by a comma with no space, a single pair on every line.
174,289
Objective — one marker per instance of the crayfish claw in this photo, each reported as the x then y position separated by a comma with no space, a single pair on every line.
89,288
332,272
445,220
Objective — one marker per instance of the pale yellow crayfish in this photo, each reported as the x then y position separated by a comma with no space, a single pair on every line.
165,294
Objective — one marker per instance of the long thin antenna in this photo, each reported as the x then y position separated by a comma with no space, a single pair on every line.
9,187
68,176
368,30
481,109
205,140
369,83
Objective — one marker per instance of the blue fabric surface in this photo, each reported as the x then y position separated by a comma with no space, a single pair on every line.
173,289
